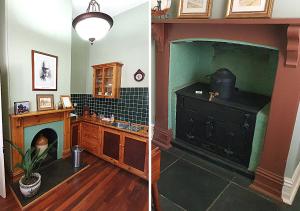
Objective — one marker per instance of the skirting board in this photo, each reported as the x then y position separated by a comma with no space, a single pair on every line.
291,186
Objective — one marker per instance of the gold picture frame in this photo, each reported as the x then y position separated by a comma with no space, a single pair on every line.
45,102
66,101
249,8
194,9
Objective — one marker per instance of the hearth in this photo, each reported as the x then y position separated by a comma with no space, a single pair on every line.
223,127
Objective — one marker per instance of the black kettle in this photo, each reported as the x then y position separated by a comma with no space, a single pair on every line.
223,82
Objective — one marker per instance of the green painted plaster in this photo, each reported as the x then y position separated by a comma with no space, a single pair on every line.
185,69
259,136
58,127
254,66
193,59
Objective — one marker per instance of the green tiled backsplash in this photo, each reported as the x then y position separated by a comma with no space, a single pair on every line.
132,106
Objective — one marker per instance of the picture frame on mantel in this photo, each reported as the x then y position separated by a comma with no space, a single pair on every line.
44,71
66,101
194,9
45,102
249,9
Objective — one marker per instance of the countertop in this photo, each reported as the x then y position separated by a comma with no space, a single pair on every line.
97,121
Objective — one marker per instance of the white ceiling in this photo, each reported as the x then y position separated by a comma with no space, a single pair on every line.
110,7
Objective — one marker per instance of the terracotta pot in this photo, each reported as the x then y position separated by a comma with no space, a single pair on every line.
41,143
32,189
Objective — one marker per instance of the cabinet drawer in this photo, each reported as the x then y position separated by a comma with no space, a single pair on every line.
218,112
90,131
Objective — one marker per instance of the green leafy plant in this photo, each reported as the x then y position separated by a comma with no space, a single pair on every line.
31,161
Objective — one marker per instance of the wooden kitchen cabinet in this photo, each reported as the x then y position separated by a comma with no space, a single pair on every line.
124,149
75,133
107,80
91,138
111,144
135,152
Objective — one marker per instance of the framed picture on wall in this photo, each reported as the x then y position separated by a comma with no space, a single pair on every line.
249,8
21,107
66,101
44,71
194,8
44,102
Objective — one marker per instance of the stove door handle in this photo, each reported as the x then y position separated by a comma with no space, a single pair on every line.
190,136
209,127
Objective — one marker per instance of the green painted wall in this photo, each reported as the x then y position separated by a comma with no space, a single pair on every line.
43,26
255,67
128,42
188,64
282,9
80,64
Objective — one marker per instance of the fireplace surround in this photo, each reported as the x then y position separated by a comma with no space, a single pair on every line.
25,127
282,34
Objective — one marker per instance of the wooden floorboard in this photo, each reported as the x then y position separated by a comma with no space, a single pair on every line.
102,186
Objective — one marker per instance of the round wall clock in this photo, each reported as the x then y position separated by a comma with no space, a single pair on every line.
139,75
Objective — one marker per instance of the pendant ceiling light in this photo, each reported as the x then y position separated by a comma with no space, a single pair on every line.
92,25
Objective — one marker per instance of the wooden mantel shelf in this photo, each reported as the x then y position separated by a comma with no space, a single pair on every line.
38,113
272,21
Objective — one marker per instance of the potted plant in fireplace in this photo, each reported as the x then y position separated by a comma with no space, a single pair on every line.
30,182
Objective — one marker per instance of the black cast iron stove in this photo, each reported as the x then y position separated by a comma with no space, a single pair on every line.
222,127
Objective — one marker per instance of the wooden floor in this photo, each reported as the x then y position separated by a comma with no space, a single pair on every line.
102,186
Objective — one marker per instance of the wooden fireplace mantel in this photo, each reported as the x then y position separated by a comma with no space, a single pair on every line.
282,34
21,121
257,21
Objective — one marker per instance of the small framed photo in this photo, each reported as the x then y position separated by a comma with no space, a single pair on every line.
249,8
194,8
21,107
44,71
44,102
66,101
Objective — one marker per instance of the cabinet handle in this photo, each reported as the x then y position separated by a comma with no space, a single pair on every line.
228,151
209,127
246,124
190,136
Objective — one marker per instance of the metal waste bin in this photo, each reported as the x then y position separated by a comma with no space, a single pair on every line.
76,151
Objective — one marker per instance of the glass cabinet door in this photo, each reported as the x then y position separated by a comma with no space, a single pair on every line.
99,82
108,81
